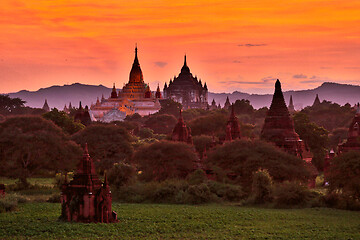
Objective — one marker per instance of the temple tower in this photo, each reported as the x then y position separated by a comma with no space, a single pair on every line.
232,126
181,132
46,106
85,198
316,101
291,107
279,126
227,104
353,140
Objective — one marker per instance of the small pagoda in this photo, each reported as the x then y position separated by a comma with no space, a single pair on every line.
353,140
291,107
82,115
279,126
232,126
181,132
86,198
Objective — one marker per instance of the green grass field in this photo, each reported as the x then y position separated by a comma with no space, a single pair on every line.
160,221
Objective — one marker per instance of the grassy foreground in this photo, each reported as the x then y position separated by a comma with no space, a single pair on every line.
152,221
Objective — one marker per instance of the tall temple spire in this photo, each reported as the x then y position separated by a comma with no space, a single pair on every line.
279,126
136,75
46,106
232,126
185,68
113,92
317,100
291,107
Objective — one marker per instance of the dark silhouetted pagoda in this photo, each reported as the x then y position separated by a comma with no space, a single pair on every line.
227,103
181,132
86,198
317,100
82,115
279,126
187,90
353,140
232,126
291,107
46,106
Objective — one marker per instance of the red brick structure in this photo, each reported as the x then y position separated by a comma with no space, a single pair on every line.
86,198
353,141
279,126
181,132
82,115
232,126
316,101
158,93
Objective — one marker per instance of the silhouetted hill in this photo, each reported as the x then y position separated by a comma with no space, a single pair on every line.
58,96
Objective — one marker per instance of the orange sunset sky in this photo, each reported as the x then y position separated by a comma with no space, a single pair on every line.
232,45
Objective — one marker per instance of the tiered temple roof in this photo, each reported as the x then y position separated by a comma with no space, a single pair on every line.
279,126
187,89
86,198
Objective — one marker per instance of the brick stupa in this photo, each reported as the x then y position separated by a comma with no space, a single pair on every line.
279,126
232,126
86,198
181,132
353,140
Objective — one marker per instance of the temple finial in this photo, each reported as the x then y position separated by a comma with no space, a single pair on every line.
185,64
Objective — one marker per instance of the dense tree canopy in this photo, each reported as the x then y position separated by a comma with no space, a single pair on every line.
10,105
315,137
241,158
169,106
330,115
344,174
107,144
164,160
161,123
64,121
211,124
30,144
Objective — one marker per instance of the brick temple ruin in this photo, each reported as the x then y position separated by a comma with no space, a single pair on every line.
86,198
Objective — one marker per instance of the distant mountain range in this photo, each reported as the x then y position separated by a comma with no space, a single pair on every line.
58,96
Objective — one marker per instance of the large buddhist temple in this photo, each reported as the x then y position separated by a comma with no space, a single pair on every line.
135,97
279,126
187,89
353,140
86,198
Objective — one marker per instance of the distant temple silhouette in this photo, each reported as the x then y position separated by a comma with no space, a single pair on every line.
181,132
232,126
353,141
187,90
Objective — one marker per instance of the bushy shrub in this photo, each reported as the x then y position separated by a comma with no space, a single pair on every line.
10,202
197,177
227,192
146,133
121,174
261,188
341,201
291,194
197,194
